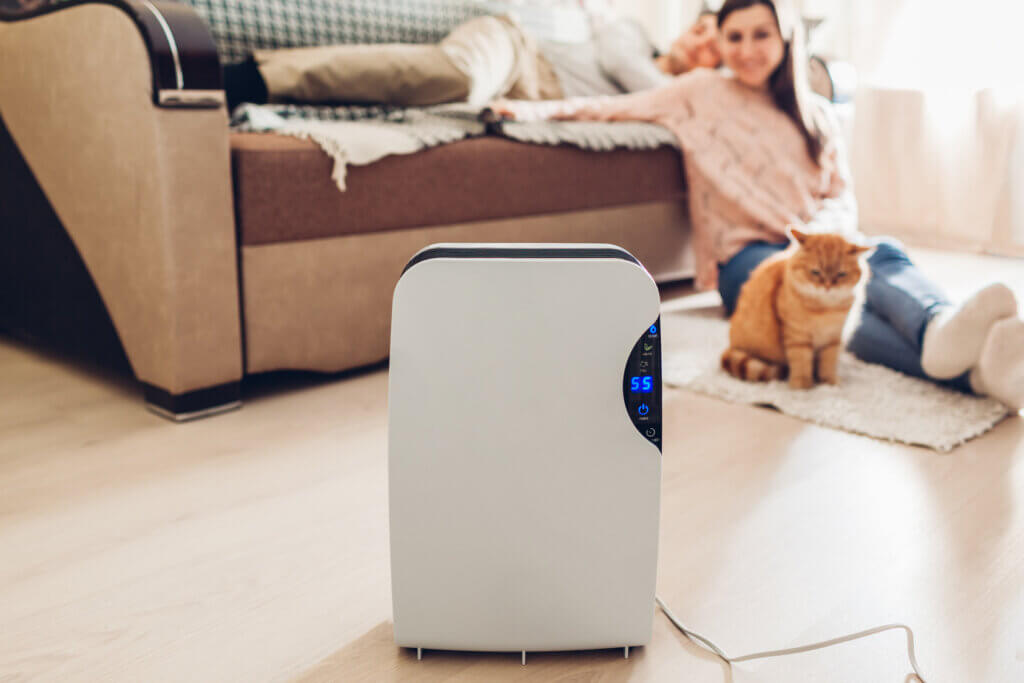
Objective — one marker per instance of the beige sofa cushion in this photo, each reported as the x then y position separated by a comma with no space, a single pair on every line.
395,74
284,191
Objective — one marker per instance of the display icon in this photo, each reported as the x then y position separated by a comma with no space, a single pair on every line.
643,384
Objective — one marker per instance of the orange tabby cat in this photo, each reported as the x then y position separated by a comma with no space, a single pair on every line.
791,312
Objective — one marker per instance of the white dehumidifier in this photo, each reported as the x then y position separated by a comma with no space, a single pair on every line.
524,448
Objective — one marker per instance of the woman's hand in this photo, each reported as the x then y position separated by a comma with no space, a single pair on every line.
497,111
697,47
575,109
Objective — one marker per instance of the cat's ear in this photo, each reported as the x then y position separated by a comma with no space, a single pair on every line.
858,249
796,234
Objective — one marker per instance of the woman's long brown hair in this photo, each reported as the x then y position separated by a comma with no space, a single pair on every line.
789,86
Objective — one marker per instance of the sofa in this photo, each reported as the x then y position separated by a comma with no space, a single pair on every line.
136,228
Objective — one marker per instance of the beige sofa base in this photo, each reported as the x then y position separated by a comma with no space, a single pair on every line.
143,192
325,304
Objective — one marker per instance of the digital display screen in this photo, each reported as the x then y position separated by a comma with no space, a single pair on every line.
641,384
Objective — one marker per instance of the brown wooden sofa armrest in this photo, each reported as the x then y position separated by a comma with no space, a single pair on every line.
133,159
183,57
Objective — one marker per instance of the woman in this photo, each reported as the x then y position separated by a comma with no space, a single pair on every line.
762,154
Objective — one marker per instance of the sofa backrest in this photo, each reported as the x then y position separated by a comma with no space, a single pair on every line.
239,26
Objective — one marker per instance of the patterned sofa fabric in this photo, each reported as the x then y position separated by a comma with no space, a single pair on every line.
240,26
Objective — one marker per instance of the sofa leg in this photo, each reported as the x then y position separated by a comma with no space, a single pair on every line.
193,405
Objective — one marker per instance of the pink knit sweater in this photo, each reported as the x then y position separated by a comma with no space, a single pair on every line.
747,166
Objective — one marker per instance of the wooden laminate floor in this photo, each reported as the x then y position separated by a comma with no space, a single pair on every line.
253,546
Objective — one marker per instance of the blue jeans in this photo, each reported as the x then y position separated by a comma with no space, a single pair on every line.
899,302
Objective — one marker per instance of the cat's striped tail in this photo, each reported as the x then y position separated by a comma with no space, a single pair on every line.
743,365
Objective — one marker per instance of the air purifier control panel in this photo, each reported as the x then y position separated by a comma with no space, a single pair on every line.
641,384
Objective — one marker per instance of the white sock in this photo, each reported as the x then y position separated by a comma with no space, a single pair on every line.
954,337
1002,362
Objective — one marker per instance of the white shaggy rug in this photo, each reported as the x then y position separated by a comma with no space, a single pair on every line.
870,399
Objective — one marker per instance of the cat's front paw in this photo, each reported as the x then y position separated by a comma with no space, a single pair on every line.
828,364
800,382
828,376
